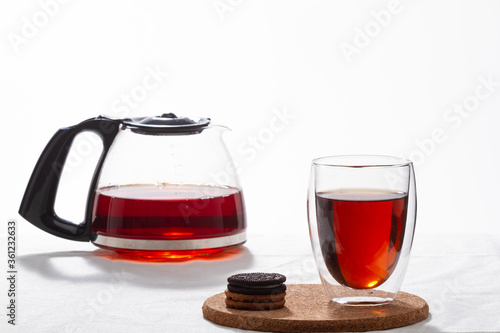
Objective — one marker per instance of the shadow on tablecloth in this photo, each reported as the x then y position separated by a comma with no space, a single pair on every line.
101,266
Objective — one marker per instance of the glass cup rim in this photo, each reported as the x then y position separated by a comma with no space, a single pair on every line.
364,161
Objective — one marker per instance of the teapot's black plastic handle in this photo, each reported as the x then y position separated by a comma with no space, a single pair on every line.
38,202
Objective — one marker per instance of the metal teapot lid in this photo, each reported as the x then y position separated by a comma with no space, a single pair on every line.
167,123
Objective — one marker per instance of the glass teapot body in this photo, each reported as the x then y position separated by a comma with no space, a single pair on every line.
168,195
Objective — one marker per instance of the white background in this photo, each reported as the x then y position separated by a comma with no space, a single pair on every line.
239,64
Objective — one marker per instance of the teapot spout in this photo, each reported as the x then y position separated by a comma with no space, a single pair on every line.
221,128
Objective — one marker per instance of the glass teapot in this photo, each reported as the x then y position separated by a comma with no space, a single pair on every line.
163,188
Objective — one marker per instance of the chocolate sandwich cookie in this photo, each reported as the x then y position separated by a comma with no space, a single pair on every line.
256,279
254,298
268,290
256,291
256,306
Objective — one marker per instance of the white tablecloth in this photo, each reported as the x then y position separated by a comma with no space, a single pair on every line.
66,286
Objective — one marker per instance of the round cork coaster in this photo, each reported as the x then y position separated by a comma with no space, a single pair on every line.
308,309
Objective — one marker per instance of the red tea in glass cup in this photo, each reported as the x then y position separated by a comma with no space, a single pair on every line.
361,233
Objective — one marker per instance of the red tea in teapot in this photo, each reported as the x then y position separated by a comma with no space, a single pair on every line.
168,212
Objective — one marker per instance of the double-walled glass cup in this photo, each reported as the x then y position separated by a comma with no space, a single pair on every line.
362,213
